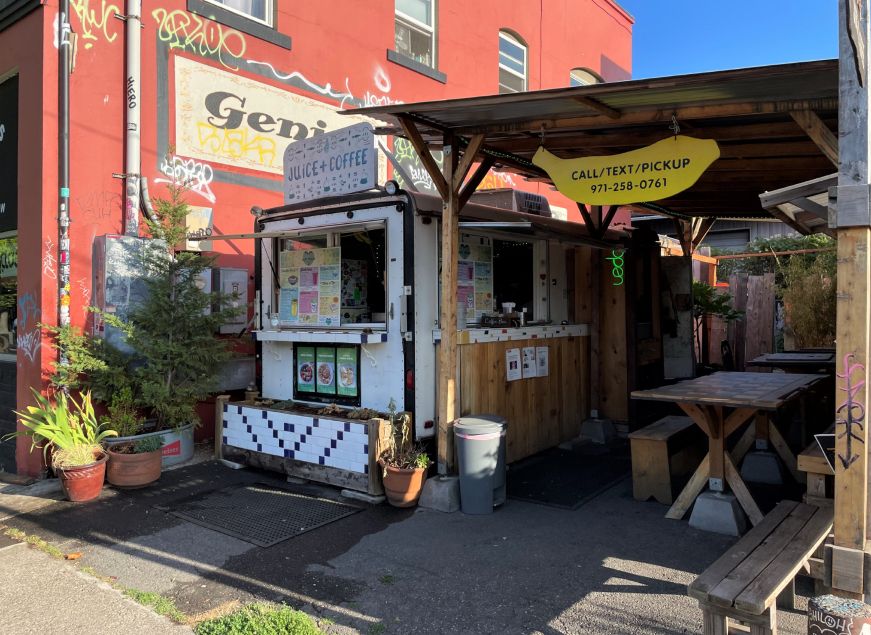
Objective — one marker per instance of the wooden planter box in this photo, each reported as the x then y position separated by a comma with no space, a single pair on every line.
326,449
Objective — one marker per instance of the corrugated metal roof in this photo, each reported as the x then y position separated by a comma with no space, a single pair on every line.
747,111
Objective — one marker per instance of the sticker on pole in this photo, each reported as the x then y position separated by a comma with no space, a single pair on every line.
331,164
652,173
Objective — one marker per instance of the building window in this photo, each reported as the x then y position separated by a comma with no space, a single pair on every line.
583,77
512,63
9,293
415,30
260,10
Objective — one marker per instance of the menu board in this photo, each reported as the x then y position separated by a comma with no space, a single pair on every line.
305,368
310,287
325,375
475,277
347,370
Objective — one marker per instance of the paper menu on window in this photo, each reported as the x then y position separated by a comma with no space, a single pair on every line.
310,283
512,364
475,277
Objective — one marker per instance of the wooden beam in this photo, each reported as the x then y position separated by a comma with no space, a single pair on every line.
684,235
447,380
812,207
475,180
588,220
806,189
599,107
701,229
465,164
426,158
606,222
825,139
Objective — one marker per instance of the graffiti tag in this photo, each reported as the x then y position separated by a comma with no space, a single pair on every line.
850,413
29,343
94,21
188,32
49,261
195,176
239,144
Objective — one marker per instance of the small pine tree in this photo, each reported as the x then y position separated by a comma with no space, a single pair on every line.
173,330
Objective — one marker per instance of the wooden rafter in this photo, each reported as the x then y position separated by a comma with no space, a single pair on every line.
475,180
701,227
819,133
596,223
426,158
598,106
465,164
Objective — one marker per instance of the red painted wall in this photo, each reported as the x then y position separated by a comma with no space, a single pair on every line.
338,56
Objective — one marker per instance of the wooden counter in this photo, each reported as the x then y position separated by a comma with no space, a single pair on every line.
542,412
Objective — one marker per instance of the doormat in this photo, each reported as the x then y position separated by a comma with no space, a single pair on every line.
569,478
260,514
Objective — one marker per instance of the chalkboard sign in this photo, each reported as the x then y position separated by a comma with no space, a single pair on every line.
9,155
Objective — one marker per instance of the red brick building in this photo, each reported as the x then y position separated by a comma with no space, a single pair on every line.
225,86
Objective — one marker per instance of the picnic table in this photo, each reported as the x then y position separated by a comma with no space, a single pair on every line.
797,361
720,404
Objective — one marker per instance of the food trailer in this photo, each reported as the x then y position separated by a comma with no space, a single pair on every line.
347,306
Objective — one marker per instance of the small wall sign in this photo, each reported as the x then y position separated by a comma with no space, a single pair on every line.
330,164
647,174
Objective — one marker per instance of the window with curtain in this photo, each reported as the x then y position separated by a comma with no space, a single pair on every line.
260,10
512,64
415,30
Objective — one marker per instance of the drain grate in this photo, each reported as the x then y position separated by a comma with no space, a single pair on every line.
260,514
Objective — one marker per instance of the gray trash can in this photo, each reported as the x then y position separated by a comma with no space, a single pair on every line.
480,443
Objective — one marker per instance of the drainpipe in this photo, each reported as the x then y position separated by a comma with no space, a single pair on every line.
132,167
63,168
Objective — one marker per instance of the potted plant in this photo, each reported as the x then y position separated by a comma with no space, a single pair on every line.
72,436
404,464
134,463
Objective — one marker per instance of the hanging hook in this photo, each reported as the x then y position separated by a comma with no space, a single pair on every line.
675,126
541,140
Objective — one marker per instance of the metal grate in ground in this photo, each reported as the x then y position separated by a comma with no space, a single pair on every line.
260,514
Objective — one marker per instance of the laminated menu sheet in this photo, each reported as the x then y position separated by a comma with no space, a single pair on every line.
475,277
310,283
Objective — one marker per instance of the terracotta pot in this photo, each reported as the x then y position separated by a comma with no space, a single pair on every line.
133,470
403,486
83,482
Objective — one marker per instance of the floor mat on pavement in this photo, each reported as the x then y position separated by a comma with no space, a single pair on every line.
259,514
569,478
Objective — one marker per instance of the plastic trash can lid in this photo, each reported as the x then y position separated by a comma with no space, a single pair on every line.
480,424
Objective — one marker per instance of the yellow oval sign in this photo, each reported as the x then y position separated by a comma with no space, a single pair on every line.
647,174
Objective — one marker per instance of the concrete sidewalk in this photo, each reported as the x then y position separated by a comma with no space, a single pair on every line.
40,594
614,566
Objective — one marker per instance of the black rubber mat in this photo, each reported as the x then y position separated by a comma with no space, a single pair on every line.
260,514
569,478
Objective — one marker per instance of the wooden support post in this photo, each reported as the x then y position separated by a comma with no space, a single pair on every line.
220,402
853,303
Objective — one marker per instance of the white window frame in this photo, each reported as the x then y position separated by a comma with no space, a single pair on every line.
421,26
578,76
269,12
513,39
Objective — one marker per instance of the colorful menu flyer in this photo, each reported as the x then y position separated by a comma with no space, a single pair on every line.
305,368
346,373
310,281
475,277
325,373
512,364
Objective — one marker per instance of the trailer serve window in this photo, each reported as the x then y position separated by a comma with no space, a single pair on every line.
332,279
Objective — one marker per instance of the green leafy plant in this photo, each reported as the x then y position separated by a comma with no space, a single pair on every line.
708,301
400,452
262,619
139,446
124,416
68,428
809,297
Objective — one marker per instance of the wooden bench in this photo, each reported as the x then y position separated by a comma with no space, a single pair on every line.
745,582
672,446
817,470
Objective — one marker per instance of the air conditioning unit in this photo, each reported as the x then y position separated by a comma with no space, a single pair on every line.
515,200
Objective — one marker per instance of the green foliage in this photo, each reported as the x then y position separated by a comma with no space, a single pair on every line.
707,300
773,264
160,604
400,451
82,356
260,619
64,426
147,444
124,416
809,298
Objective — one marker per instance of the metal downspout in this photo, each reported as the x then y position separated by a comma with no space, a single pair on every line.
63,169
132,167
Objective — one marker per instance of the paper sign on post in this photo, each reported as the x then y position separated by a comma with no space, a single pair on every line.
512,364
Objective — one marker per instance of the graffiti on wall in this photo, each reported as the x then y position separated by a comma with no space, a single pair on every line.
28,338
188,32
49,260
95,21
195,176
851,412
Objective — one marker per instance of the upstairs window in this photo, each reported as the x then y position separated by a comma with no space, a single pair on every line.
583,77
512,63
260,10
415,30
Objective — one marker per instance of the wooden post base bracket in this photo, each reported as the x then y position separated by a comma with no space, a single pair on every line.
831,615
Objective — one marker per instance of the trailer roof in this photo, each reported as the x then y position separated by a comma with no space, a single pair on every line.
776,126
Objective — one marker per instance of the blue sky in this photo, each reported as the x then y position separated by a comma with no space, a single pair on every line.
673,37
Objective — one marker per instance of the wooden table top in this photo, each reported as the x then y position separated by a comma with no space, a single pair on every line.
762,391
804,359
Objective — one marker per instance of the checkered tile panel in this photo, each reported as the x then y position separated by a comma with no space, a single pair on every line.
339,444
